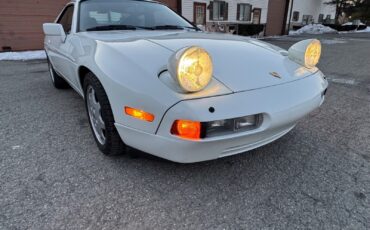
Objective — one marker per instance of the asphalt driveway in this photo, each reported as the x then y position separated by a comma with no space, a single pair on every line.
52,175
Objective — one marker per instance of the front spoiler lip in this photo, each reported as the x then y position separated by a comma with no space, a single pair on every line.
183,151
246,147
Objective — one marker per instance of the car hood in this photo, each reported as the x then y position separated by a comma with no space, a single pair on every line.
240,63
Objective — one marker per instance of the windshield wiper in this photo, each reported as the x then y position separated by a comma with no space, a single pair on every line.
112,27
172,27
130,27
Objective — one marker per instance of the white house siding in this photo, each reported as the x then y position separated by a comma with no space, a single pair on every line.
312,7
188,5
327,9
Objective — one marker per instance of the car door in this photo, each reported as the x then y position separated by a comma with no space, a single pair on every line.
63,61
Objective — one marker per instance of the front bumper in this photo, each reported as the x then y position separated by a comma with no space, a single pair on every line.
281,105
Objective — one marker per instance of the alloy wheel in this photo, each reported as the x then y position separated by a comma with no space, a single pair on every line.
96,119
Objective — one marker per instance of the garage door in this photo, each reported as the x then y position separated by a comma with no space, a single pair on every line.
276,17
174,4
21,21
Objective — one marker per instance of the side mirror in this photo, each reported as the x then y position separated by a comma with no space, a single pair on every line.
54,29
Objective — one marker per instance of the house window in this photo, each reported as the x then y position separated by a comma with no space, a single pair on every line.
218,10
328,17
295,16
244,12
307,19
321,18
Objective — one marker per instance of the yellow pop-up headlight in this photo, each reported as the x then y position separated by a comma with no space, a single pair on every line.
192,68
313,54
306,52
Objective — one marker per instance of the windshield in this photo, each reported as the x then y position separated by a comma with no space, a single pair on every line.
128,15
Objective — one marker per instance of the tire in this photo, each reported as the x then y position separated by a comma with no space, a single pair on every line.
56,80
105,134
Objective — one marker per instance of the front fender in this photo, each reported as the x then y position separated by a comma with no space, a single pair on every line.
129,72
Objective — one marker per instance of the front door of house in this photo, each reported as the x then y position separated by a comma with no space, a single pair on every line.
256,16
200,13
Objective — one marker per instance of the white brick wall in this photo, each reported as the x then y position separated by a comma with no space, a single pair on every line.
188,5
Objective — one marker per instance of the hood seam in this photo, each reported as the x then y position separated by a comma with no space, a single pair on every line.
159,45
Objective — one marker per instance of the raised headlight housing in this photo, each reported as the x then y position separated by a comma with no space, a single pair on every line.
306,52
192,68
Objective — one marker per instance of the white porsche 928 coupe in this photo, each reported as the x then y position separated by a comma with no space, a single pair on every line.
153,81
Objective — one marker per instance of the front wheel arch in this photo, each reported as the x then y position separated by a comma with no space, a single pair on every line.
82,72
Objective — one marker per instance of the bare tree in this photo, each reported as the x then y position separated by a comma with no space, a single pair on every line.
362,11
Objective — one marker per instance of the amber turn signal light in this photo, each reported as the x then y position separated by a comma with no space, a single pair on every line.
187,129
139,114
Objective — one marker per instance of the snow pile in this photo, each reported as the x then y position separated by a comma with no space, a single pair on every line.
22,56
202,27
313,29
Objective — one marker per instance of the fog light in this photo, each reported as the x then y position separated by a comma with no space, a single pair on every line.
224,127
195,130
245,122
220,127
187,129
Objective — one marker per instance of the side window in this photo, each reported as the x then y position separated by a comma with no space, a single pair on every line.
66,19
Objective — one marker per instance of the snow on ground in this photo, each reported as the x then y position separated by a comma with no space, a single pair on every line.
22,56
313,29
